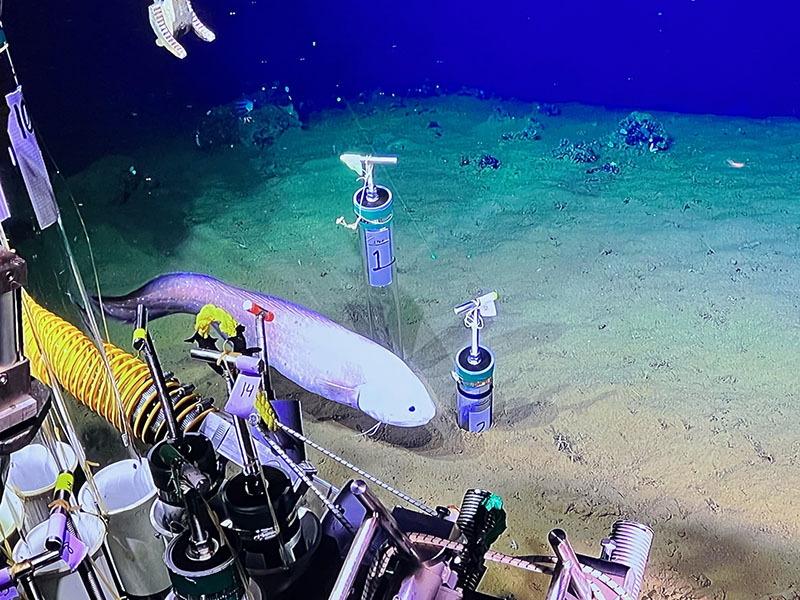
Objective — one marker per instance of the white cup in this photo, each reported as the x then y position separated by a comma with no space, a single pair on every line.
32,477
128,491
55,581
10,516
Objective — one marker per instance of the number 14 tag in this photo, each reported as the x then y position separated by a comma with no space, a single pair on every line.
243,395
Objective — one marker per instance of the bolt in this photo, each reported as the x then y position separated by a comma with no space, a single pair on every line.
608,545
3,378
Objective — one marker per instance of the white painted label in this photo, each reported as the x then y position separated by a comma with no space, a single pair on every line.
25,152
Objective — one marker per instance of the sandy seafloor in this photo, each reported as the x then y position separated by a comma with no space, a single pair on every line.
647,339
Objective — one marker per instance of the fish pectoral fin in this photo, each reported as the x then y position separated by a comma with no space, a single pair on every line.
336,390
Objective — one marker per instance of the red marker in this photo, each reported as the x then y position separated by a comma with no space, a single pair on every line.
255,309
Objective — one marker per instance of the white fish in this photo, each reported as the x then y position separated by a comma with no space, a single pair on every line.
311,350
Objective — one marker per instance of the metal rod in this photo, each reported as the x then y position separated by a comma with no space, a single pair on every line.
86,569
26,569
563,549
355,556
249,456
560,582
381,160
262,488
146,346
266,381
364,495
116,578
30,589
475,351
90,581
200,540
44,559
213,356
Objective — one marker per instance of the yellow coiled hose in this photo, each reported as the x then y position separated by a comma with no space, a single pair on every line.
78,366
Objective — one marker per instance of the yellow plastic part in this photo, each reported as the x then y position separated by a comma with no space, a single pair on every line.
266,411
64,482
211,314
139,334
78,366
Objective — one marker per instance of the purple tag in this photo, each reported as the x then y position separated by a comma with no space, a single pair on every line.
4,211
379,256
248,364
26,153
73,551
7,589
9,593
243,395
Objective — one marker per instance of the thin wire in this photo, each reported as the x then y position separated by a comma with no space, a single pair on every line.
470,318
400,198
237,563
92,262
3,238
91,322
519,562
336,511
361,472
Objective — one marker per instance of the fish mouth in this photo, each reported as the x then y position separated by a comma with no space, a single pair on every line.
424,420
417,418
384,404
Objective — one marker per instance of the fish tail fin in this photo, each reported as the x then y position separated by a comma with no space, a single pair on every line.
164,295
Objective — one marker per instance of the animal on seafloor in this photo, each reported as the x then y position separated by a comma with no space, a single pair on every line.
243,108
306,347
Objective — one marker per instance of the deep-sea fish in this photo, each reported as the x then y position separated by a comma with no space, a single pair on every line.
311,350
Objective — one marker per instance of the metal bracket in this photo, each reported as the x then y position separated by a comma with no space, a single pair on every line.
13,272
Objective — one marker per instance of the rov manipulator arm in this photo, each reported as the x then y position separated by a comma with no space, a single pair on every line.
24,401
172,19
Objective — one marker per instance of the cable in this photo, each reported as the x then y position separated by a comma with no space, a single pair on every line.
425,539
361,472
336,511
78,365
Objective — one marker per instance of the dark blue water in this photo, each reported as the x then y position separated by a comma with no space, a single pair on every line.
91,68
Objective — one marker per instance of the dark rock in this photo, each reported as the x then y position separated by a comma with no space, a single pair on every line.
609,167
222,127
473,92
578,152
484,161
487,161
501,115
531,132
551,110
643,131
267,125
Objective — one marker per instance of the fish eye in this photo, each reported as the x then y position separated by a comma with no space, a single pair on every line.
412,408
